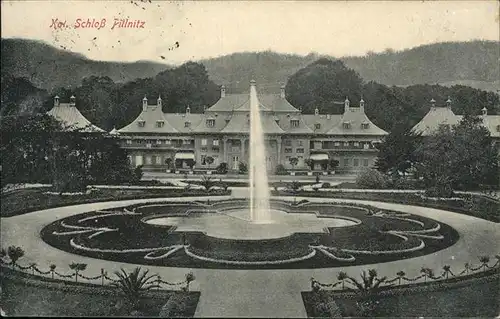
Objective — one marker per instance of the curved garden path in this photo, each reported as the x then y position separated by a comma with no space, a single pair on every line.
254,293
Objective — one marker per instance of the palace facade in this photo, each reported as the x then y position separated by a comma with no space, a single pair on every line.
180,141
160,140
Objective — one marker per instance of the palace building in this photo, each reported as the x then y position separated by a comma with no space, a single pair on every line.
156,139
443,116
201,141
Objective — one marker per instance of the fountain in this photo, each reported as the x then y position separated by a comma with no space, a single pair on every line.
259,187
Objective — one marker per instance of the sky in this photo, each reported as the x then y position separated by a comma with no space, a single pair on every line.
175,32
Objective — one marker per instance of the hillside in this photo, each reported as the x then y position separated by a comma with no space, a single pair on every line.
48,67
468,62
474,63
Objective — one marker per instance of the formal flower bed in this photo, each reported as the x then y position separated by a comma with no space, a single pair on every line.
122,234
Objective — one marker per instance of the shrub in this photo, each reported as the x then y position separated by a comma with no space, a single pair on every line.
138,173
134,284
280,170
221,168
439,191
243,169
371,179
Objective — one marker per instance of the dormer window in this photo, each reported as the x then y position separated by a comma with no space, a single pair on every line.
346,125
365,125
294,123
141,123
210,122
187,124
317,126
498,128
160,123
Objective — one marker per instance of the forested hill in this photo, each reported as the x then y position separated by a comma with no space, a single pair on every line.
474,64
48,67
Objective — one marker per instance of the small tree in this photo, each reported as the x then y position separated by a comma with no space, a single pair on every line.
138,173
294,161
189,278
209,160
333,164
342,276
14,254
484,261
52,270
309,162
134,284
168,162
446,270
77,267
190,163
400,275
427,272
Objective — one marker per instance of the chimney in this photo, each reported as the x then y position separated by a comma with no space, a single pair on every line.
362,105
346,105
484,111
433,103
159,101
188,110
252,82
448,102
316,111
72,101
56,100
144,103
222,91
282,91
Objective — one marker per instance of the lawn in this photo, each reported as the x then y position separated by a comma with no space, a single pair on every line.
469,204
27,200
472,297
25,296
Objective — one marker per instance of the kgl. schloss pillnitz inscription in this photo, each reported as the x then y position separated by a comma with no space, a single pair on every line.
93,23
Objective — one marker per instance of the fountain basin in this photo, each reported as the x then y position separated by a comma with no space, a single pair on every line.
236,224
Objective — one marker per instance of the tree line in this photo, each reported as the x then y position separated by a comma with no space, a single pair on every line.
39,149
318,85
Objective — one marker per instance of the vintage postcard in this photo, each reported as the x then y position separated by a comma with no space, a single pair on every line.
250,158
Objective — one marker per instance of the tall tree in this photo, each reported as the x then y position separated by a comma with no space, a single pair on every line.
461,157
322,83
397,151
